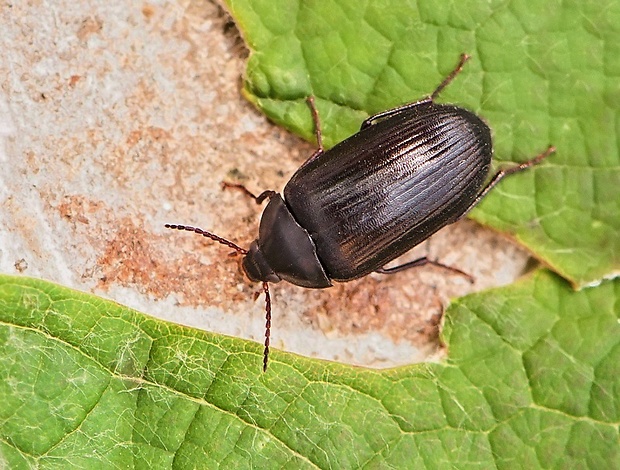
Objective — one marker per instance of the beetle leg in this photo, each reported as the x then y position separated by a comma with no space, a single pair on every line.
259,199
501,174
317,124
446,81
317,131
449,78
421,262
268,194
369,121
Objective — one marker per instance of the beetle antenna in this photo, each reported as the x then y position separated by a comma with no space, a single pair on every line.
452,76
243,251
267,325
210,235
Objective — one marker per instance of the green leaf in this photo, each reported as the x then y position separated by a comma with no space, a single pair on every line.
543,72
532,380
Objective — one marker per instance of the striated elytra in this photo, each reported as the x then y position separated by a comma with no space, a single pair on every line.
350,210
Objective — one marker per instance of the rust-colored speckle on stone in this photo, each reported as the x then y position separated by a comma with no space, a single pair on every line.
128,256
89,27
73,80
433,327
147,136
380,305
129,259
77,209
134,137
148,11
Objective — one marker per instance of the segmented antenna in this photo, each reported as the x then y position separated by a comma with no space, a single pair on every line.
267,325
210,235
243,251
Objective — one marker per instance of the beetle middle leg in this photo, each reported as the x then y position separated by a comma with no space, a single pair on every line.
446,81
317,124
422,262
452,76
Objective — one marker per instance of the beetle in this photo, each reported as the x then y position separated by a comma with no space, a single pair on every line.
350,210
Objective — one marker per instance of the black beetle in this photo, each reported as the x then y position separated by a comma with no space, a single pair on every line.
350,210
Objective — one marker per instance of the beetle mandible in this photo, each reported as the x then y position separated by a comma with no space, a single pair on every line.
350,210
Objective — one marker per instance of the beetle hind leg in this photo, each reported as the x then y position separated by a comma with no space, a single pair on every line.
501,174
422,262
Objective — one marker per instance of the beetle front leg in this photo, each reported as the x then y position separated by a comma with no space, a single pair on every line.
319,140
259,199
501,174
422,262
